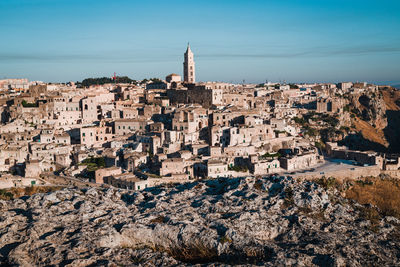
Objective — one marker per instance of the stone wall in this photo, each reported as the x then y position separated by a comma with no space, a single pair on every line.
354,173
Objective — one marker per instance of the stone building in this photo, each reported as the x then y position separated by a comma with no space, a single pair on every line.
126,181
105,172
95,135
217,168
172,166
190,119
126,126
305,158
173,77
345,85
330,105
264,166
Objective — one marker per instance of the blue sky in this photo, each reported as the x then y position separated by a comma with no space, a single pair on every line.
292,40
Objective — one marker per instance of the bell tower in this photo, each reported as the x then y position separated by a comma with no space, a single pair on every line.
189,74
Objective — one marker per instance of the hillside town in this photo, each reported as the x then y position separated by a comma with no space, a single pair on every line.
139,134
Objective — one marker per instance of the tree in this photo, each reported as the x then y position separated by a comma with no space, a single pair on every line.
156,80
144,81
103,80
28,105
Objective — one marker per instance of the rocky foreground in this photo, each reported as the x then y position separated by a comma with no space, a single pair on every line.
269,221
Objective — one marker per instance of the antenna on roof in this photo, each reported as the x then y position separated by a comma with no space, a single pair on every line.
115,78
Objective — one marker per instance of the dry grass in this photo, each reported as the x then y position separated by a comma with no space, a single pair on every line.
198,186
317,215
225,239
258,185
369,132
159,219
383,193
305,210
328,183
370,213
17,192
200,253
288,200
194,253
390,97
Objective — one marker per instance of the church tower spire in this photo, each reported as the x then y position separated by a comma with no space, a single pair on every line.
189,74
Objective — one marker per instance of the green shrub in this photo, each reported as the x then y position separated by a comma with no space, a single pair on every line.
327,183
29,105
237,168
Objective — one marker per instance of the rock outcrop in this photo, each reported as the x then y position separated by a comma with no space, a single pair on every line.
268,221
372,108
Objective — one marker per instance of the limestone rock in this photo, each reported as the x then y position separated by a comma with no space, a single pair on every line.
269,221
